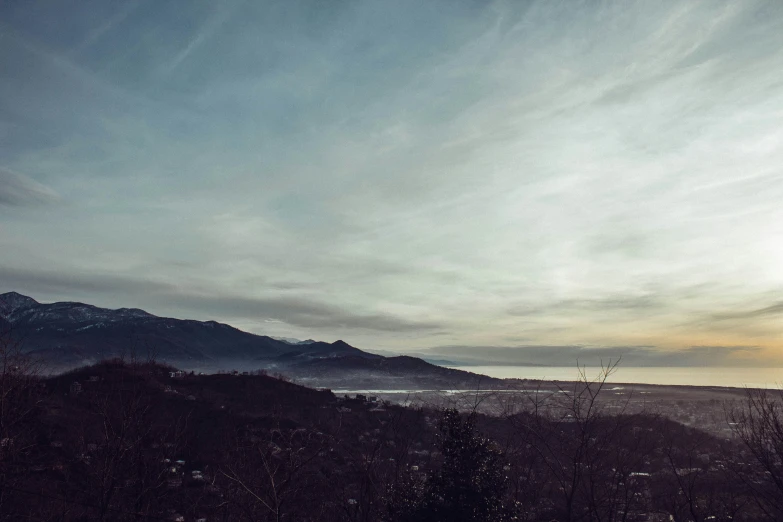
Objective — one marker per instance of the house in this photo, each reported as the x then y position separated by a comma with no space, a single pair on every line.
360,397
76,388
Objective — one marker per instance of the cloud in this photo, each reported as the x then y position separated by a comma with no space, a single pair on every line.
301,312
17,190
615,303
741,319
297,311
461,173
222,13
108,24
74,283
632,356
767,311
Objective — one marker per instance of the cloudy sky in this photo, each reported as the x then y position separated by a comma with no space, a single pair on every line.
404,175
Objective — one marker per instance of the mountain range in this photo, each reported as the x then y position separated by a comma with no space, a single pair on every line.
69,334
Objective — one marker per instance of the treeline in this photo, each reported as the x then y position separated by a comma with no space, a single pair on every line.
131,442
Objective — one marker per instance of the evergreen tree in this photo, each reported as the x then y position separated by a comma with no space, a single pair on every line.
468,487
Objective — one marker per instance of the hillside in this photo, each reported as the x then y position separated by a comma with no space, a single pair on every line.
400,372
130,442
108,441
68,334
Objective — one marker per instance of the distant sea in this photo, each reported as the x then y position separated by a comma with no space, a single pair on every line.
700,376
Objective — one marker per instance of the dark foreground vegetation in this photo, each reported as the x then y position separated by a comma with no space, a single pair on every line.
130,440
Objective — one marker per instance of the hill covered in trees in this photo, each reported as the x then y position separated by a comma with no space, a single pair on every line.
129,440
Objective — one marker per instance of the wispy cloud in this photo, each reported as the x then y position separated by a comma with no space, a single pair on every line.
293,311
771,310
594,356
593,174
19,190
618,303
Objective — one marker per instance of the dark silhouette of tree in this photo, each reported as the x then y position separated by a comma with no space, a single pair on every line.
758,423
273,477
576,443
468,487
19,399
380,459
123,451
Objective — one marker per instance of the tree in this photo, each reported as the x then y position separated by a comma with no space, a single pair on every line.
583,462
468,487
124,449
19,398
758,423
273,477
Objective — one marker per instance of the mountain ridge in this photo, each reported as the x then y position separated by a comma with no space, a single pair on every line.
87,330
68,334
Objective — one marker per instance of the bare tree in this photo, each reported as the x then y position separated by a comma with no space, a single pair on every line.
124,454
272,474
587,460
758,423
19,398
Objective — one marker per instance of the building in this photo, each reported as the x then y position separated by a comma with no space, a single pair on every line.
76,388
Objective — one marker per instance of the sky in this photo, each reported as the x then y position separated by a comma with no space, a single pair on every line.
468,176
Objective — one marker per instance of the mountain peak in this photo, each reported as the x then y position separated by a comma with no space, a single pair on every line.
12,301
342,346
138,312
